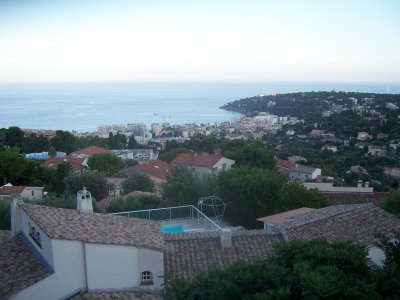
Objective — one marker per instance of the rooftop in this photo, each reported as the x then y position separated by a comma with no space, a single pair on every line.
155,168
285,216
358,223
89,151
19,267
200,160
11,190
293,166
76,163
69,224
327,187
188,254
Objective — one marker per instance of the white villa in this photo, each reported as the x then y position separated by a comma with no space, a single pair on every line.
57,253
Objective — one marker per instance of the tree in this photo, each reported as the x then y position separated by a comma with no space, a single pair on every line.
5,216
11,165
295,195
64,141
392,203
119,204
299,270
254,154
132,143
250,193
106,163
138,182
93,181
14,137
389,284
171,154
184,187
52,151
63,170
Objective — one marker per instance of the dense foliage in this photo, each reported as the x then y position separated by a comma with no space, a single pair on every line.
93,181
184,187
119,204
138,182
105,163
299,270
250,193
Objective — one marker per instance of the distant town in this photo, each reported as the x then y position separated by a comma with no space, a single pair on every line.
155,206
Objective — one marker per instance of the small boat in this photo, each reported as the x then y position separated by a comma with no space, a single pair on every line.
155,113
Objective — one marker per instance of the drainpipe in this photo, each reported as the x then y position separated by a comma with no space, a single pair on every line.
85,265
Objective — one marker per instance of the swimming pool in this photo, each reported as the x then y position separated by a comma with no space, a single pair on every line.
173,229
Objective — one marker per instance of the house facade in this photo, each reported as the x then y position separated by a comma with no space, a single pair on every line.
204,163
296,172
25,192
75,251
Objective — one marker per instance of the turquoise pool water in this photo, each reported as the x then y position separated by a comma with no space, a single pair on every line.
173,229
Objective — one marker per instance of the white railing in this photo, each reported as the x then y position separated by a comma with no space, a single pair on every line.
172,213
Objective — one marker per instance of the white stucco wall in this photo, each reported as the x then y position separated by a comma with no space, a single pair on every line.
111,266
46,251
68,277
220,164
153,261
377,256
32,193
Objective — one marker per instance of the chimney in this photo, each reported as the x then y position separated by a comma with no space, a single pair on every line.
16,226
226,237
359,183
84,201
366,184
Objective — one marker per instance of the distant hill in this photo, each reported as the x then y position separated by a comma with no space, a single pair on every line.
305,104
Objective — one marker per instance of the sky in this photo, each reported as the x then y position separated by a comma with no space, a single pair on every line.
158,40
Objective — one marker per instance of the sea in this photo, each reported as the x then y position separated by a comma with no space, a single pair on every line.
85,106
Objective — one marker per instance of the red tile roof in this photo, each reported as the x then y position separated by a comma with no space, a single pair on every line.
11,190
75,163
155,168
285,164
89,151
283,217
200,160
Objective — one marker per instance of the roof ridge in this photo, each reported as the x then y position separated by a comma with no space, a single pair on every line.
285,226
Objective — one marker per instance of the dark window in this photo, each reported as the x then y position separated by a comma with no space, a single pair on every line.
146,278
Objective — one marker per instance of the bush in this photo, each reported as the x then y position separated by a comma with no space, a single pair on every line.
138,182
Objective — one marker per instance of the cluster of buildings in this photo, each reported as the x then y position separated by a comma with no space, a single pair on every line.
54,253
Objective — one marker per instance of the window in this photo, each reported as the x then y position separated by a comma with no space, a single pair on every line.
146,278
35,235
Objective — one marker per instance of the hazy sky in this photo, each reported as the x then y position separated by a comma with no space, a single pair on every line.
266,40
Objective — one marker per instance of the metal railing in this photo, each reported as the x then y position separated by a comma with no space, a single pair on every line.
173,213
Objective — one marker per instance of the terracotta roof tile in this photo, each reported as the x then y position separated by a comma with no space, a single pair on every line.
69,224
355,222
5,235
19,267
200,160
11,190
285,164
188,254
155,168
75,163
90,151
285,216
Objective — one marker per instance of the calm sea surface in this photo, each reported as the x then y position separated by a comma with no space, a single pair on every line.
83,107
